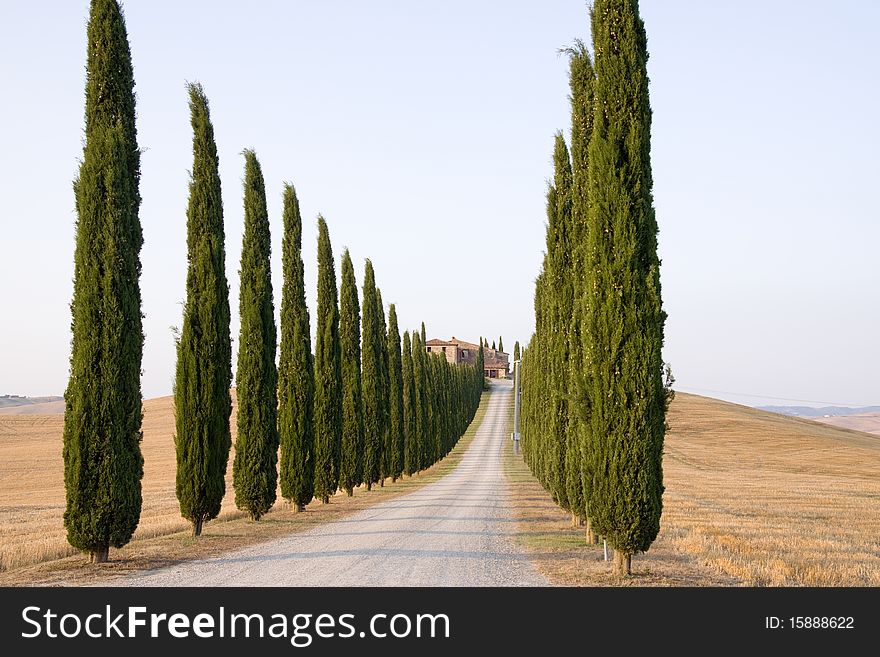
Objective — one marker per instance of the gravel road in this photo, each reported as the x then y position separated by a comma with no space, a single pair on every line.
454,532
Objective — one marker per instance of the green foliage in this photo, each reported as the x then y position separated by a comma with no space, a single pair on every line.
384,415
516,350
578,467
328,373
623,315
410,409
500,344
202,402
394,451
254,472
296,385
421,427
103,465
372,337
351,464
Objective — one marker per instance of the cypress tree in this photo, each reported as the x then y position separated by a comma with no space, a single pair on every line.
516,350
430,388
372,380
493,344
420,402
410,400
351,467
624,318
254,470
202,402
296,385
102,458
384,417
578,470
103,465
500,344
395,445
328,373
560,279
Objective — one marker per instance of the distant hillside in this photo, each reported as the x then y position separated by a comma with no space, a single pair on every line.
867,422
809,411
20,405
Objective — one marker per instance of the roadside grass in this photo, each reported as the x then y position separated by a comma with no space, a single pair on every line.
751,499
33,544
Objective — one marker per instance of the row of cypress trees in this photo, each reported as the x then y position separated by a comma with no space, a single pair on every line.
594,392
338,416
359,410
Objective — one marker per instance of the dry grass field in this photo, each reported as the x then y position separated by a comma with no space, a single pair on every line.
33,544
867,422
752,498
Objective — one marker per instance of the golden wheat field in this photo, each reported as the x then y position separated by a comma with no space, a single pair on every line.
32,484
752,498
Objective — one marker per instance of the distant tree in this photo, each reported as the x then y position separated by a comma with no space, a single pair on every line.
500,344
296,385
351,463
420,380
103,465
410,412
328,374
202,403
493,344
516,350
384,417
395,445
624,315
372,380
254,470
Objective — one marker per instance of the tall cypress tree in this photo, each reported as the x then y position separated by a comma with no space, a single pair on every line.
351,466
384,419
410,401
624,317
372,380
395,443
516,350
296,385
493,344
328,373
254,470
202,402
578,469
562,284
420,402
103,465
500,344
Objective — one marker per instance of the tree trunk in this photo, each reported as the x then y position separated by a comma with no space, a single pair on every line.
591,537
382,483
369,485
197,527
298,508
325,499
574,519
99,555
622,563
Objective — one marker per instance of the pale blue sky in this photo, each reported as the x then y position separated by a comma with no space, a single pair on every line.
423,133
